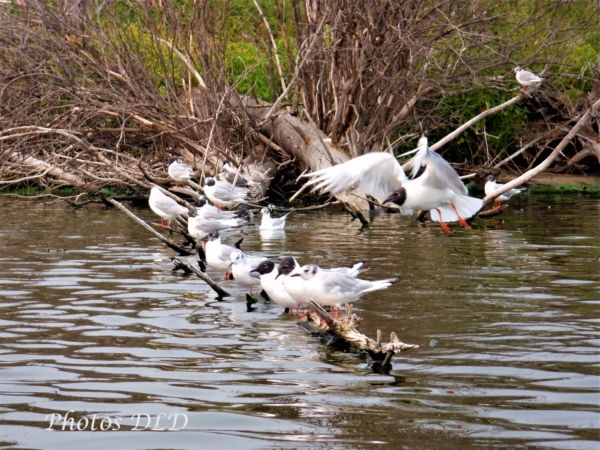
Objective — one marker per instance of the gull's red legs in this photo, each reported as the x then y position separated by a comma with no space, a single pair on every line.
444,226
465,224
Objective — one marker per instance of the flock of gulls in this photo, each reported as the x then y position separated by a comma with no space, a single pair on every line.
438,190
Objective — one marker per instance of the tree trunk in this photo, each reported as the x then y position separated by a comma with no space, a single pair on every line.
308,144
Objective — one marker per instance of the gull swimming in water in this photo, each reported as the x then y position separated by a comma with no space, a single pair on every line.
329,288
526,79
180,172
492,186
218,255
165,207
269,223
438,190
242,268
223,194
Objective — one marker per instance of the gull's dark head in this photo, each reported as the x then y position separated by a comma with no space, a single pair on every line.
213,236
265,267
286,266
398,197
491,178
172,160
200,202
192,212
209,182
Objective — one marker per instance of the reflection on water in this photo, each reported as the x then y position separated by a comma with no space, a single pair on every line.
94,321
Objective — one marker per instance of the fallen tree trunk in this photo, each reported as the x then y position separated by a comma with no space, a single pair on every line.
306,143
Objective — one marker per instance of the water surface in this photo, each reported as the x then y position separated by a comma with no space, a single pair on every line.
93,320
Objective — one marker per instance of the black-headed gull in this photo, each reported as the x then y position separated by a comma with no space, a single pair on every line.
526,79
218,255
269,223
242,268
274,286
491,186
223,194
199,227
228,174
165,207
210,212
330,288
180,172
438,190
295,286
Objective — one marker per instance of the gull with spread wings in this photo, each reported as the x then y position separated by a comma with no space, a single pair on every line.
438,190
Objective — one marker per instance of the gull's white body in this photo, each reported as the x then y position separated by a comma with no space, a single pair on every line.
218,255
223,194
295,286
380,173
242,265
275,288
269,223
492,186
336,288
527,79
164,206
180,172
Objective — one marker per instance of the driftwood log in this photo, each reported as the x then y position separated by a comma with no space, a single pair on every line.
167,242
324,324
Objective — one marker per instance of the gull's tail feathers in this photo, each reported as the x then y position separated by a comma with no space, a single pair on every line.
381,284
466,206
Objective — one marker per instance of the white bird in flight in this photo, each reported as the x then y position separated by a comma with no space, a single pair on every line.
180,172
491,186
527,79
165,207
438,190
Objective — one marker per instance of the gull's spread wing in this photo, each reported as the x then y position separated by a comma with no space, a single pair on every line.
379,174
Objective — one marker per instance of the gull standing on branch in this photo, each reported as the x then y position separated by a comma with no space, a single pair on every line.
491,186
180,172
242,268
329,288
222,193
268,223
165,207
274,286
295,286
218,255
527,79
438,190
199,228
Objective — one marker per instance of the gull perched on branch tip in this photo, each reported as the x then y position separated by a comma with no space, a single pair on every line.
527,79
